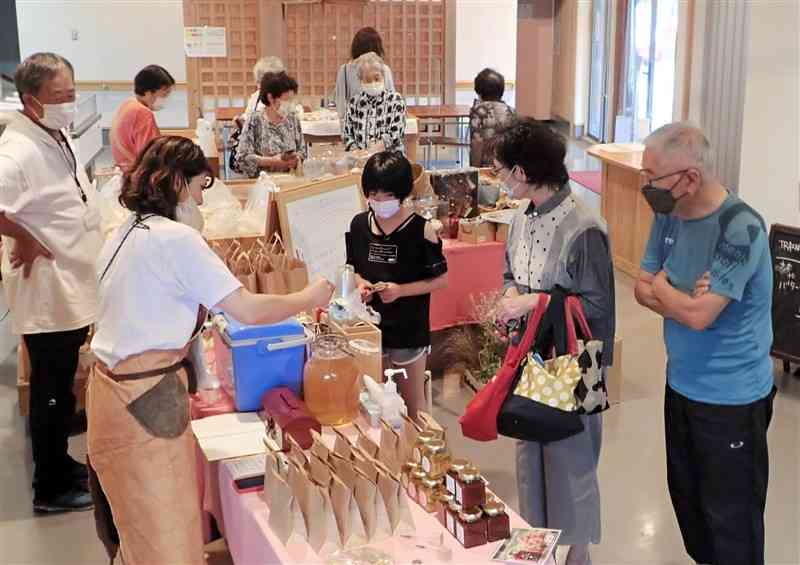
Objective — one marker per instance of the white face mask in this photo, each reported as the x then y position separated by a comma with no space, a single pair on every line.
386,208
513,187
57,116
188,213
159,104
373,88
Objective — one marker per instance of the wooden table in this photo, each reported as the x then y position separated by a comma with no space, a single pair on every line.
628,215
441,112
433,121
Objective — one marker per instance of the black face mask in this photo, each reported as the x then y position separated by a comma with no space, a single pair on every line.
661,200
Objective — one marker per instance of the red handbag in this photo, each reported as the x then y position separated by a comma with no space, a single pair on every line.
479,421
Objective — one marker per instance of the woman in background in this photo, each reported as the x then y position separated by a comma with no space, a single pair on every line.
272,139
348,83
489,116
376,118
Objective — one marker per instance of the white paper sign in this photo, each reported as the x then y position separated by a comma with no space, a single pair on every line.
203,41
318,225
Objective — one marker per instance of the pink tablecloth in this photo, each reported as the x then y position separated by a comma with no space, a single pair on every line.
473,269
251,542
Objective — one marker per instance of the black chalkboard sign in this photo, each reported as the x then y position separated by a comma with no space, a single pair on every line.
784,243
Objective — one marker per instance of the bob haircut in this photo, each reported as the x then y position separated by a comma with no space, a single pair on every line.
388,172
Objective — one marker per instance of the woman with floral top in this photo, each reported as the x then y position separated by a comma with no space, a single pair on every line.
376,118
488,117
272,139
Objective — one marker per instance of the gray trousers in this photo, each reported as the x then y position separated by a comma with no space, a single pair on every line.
557,484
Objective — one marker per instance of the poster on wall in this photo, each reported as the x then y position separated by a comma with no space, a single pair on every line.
204,41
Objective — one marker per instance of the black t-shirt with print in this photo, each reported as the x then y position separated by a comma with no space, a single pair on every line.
402,257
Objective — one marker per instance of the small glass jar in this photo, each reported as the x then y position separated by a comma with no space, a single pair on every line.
405,474
436,459
443,501
470,488
423,439
426,494
471,528
498,525
453,510
456,466
415,484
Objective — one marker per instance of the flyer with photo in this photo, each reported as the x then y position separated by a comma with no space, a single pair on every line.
528,546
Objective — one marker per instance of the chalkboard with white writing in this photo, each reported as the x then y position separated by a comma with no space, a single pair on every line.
784,243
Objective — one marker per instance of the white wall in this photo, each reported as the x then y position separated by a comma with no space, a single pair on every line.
583,61
486,36
770,167
115,38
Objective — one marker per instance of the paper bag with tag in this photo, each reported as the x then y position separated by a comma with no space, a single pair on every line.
318,447
363,441
348,516
366,464
295,453
396,502
319,470
342,446
285,516
372,508
390,452
430,423
323,531
276,465
344,469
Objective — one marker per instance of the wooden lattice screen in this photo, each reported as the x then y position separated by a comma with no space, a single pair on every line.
223,81
318,38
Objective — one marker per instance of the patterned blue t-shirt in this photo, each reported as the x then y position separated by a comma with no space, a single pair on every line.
727,363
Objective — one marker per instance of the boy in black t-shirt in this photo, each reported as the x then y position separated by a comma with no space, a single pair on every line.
397,256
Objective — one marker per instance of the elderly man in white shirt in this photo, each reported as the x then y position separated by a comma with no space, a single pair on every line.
50,225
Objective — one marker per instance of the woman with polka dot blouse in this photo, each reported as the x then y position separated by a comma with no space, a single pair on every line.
556,240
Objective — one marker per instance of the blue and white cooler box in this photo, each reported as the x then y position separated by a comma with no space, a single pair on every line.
255,359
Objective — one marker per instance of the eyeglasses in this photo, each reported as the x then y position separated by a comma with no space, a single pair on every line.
647,180
208,182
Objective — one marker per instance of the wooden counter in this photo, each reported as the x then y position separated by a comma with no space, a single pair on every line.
628,215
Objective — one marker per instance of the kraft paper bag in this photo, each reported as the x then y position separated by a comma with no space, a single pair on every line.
367,445
318,447
396,502
298,481
296,275
344,469
366,464
408,438
373,510
276,464
323,531
295,453
319,470
342,446
244,271
285,517
390,452
348,517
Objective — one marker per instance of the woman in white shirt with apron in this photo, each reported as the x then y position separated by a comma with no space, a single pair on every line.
157,278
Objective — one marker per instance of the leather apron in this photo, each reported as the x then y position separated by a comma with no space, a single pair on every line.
142,458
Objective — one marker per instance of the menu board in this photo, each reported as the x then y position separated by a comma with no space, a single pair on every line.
314,220
784,243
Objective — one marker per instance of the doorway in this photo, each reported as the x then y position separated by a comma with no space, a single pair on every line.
598,78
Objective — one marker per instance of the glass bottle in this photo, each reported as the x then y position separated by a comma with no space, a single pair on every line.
415,484
498,525
470,488
435,459
423,439
443,501
471,528
331,382
426,494
456,465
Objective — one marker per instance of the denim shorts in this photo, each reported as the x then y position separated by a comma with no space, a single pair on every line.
405,356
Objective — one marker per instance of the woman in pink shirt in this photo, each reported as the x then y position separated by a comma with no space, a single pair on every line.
134,124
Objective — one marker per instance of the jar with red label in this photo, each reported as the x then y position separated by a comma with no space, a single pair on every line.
456,466
471,528
498,525
443,501
470,488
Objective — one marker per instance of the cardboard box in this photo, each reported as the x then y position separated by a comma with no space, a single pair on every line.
502,232
614,375
476,231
